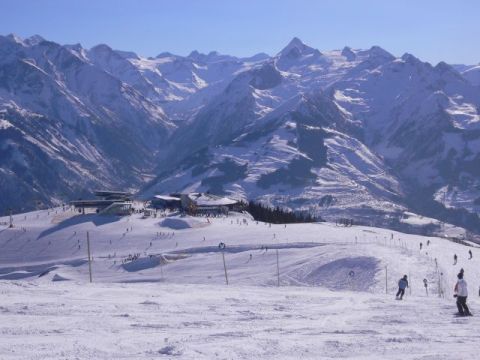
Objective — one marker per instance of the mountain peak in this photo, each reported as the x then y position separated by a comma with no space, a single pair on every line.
34,40
296,42
195,55
445,69
14,38
348,53
101,48
442,66
378,52
295,48
411,59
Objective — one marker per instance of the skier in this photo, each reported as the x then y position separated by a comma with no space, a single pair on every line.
421,245
461,294
402,285
428,242
455,258
470,254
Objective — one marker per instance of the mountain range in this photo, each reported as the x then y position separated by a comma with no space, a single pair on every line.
350,132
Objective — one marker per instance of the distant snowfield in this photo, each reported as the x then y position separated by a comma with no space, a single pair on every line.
173,302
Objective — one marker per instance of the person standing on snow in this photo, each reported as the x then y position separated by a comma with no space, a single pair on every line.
461,293
402,285
470,254
455,258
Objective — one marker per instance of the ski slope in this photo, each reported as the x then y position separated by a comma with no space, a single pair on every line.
335,300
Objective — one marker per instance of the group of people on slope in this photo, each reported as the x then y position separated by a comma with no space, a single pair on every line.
455,257
460,293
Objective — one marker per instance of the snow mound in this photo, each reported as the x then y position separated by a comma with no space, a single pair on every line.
352,273
57,277
170,350
142,264
182,223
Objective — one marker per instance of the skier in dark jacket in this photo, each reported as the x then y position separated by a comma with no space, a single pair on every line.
402,285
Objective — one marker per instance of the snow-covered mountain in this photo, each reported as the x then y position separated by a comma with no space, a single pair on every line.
356,131
308,130
67,125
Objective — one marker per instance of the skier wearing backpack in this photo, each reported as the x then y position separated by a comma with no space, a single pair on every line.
402,285
461,293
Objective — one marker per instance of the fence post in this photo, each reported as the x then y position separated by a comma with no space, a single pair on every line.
278,270
439,286
409,284
386,279
11,220
89,257
161,265
221,246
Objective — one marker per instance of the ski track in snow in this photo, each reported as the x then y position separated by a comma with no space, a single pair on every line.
331,303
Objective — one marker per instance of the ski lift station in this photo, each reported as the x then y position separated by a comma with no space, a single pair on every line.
121,203
195,202
106,203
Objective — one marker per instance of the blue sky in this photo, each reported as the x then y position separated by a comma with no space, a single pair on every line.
431,30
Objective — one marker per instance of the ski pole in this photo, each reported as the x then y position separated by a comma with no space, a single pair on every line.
89,257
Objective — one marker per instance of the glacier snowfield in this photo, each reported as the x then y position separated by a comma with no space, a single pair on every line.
335,299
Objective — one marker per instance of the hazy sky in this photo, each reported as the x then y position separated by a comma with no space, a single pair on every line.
433,30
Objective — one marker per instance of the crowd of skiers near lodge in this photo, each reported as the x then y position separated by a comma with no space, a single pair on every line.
460,290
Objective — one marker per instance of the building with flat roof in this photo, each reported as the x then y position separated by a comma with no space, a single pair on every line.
107,203
194,203
171,202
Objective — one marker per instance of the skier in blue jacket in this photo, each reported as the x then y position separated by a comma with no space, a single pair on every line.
402,285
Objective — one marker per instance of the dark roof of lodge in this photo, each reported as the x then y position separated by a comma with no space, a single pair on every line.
94,203
104,193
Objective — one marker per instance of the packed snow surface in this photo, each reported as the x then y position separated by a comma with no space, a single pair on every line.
68,320
159,290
